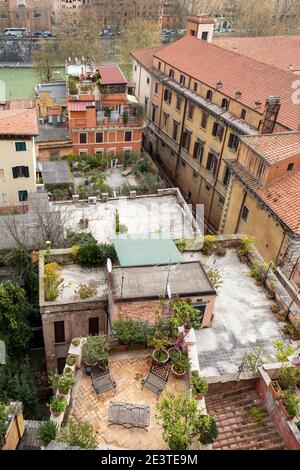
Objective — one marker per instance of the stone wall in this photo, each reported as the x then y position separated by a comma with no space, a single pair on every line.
17,49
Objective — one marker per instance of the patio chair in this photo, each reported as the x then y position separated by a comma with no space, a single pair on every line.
157,378
102,381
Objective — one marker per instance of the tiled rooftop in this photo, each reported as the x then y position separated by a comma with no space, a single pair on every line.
279,51
19,122
111,75
274,147
282,196
254,79
127,370
145,56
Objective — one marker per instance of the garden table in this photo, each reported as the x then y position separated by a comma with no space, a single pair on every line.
129,415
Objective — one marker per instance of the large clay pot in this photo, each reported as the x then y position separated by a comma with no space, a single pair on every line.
179,375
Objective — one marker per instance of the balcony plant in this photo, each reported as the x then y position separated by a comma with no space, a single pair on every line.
78,434
63,383
52,281
58,405
208,430
76,342
160,354
132,332
209,245
180,363
4,419
47,432
71,360
125,118
199,385
289,404
245,248
184,314
95,351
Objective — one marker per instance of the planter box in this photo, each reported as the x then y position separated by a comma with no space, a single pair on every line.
275,389
283,409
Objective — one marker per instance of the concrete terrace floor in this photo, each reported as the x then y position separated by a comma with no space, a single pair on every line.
127,370
242,319
74,275
159,216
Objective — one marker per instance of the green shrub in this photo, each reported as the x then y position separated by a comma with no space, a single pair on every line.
289,378
199,383
92,254
208,430
4,416
47,432
71,360
95,350
78,238
58,404
63,383
78,434
291,403
180,361
131,332
256,414
184,314
209,245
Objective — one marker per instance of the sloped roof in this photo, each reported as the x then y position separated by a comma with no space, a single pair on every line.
280,51
80,105
145,56
19,122
274,147
209,63
111,75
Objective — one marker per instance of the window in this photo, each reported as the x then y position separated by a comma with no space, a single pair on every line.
183,163
291,167
156,88
159,65
226,177
178,103
165,119
20,146
54,155
221,202
204,35
218,131
99,138
195,175
2,174
3,197
243,114
146,102
198,151
82,138
23,195
211,164
148,80
225,103
61,362
207,188
186,140
245,213
209,95
135,68
195,87
191,111
153,114
59,332
93,326
175,130
182,80
193,32
168,96
204,119
83,153
128,136
171,74
20,172
233,142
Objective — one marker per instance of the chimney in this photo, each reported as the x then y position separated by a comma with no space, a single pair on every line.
200,27
269,118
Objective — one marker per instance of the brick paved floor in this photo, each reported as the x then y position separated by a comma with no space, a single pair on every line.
87,406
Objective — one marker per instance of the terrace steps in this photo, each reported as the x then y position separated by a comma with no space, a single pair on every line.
237,429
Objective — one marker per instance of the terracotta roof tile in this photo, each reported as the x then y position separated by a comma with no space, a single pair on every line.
145,56
111,75
19,122
280,51
201,19
79,105
209,63
281,196
274,148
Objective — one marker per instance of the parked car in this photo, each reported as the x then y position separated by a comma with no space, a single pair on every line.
37,34
47,34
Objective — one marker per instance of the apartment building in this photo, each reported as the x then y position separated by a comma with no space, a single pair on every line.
103,119
35,15
263,198
18,129
203,99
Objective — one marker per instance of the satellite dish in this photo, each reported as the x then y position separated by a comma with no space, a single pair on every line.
109,265
169,291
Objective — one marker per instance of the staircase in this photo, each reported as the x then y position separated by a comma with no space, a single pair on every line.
237,429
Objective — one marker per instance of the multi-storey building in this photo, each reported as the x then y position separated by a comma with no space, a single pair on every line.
203,99
70,7
18,129
35,15
103,119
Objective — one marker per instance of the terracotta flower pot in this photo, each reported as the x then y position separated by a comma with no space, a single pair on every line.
283,409
179,375
275,389
56,413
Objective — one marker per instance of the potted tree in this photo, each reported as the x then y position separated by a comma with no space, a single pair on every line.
63,383
180,363
199,385
95,351
58,405
160,354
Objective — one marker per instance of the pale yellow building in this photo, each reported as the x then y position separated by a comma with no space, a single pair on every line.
18,129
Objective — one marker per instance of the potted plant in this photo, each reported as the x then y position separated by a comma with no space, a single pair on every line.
160,354
58,405
180,363
289,404
76,342
275,308
71,360
199,385
63,383
47,432
275,389
95,351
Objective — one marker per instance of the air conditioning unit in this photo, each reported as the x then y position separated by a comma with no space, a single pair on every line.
92,200
75,197
40,188
42,120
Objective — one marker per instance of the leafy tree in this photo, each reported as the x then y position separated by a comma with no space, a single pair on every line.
15,330
45,58
17,384
78,434
139,33
183,422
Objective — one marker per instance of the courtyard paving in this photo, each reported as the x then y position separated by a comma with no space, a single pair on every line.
242,319
127,370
